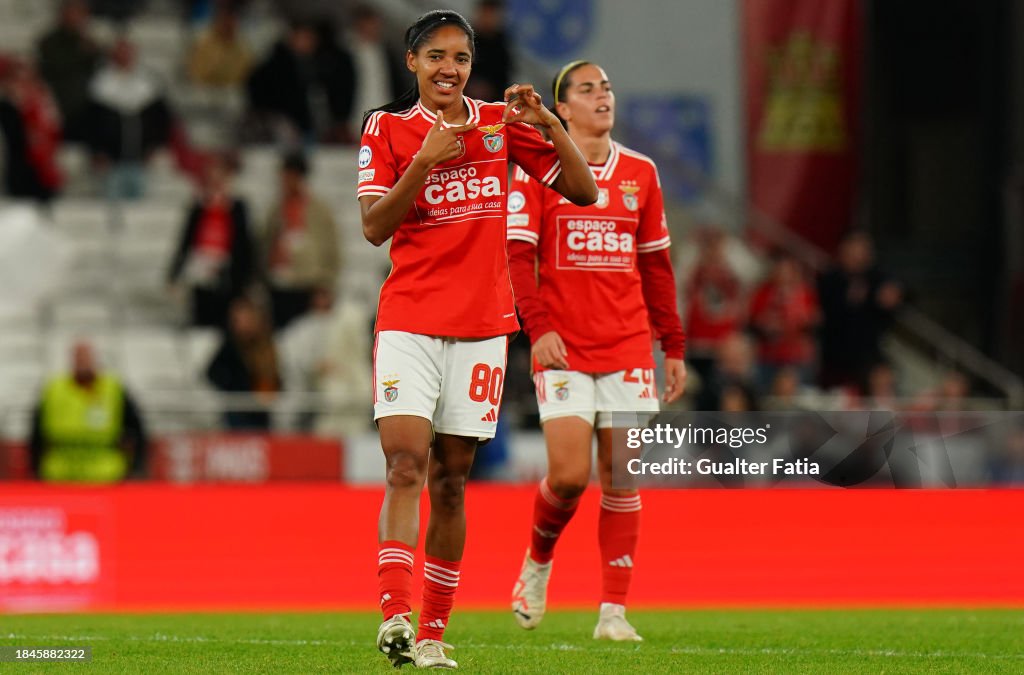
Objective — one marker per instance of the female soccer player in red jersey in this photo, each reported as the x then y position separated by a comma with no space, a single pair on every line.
603,279
438,192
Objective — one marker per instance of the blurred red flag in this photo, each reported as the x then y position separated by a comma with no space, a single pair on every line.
802,63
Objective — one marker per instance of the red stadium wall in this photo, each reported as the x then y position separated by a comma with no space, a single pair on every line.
140,547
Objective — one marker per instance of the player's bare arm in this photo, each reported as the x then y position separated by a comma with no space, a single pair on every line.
381,216
576,182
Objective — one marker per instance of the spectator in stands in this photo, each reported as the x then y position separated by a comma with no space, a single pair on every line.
879,387
857,302
31,131
714,303
129,118
327,351
492,61
783,315
86,427
214,259
950,396
303,350
732,377
67,58
1007,466
220,57
336,71
380,75
787,392
287,91
300,249
247,362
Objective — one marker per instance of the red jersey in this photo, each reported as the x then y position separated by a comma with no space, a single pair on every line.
449,269
589,281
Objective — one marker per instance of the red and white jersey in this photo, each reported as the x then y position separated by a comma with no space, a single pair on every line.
449,274
588,276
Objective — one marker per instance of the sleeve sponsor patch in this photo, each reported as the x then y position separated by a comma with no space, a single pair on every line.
366,175
519,220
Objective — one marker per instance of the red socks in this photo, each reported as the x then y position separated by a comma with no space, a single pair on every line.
394,578
440,580
618,528
550,516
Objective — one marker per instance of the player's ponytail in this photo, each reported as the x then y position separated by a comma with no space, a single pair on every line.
415,36
561,84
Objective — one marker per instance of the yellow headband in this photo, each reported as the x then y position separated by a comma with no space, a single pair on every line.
561,75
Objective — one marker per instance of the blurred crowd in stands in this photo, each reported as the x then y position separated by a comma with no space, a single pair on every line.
775,339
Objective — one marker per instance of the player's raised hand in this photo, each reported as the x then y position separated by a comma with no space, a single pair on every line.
550,352
523,104
441,144
675,379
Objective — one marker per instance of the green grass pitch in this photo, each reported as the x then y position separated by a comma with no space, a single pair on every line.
695,641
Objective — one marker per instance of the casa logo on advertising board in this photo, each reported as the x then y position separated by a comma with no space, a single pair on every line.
50,557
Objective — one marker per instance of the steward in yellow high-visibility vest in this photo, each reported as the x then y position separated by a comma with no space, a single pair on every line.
86,427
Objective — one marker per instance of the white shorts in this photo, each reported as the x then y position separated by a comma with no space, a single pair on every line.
455,383
595,396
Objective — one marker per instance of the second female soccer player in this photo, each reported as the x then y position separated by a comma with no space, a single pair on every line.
590,283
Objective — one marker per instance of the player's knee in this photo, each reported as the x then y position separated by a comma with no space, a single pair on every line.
567,487
448,492
405,470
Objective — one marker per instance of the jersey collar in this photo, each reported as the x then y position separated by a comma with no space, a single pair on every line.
605,171
474,112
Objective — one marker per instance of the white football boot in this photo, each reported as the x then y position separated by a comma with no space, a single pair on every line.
430,654
530,594
396,640
612,625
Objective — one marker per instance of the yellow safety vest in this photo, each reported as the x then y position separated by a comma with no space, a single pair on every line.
81,431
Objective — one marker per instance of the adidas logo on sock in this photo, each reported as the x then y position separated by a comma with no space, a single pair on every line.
436,623
547,534
491,416
624,561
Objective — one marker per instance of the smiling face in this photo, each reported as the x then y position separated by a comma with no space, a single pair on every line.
442,66
589,105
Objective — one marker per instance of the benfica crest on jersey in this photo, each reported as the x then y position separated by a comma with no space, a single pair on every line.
493,141
629,198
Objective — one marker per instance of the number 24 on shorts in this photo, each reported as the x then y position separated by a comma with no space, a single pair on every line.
486,383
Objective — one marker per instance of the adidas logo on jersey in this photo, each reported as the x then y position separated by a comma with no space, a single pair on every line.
624,561
491,416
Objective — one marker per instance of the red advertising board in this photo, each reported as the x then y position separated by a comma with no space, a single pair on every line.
802,66
228,457
303,546
245,458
